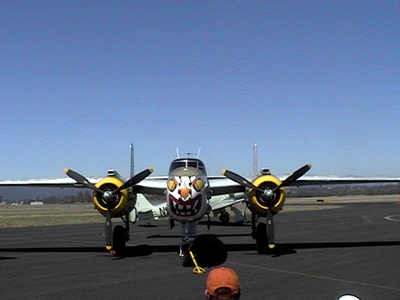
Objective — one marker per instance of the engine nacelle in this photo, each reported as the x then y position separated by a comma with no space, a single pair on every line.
121,204
260,205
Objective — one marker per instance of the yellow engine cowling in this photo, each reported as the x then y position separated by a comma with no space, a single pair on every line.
120,205
257,204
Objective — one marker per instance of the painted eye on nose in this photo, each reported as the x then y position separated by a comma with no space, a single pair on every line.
198,184
171,185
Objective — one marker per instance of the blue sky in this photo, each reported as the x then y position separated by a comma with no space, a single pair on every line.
309,81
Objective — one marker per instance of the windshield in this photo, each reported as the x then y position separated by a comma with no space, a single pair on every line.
187,162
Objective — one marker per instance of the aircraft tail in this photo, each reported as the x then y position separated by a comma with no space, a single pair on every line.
143,209
255,161
142,204
132,162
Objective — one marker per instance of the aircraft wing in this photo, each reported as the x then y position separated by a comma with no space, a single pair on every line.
222,186
335,180
152,185
60,182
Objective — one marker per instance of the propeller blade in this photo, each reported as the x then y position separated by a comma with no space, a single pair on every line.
82,180
296,175
239,179
135,179
108,231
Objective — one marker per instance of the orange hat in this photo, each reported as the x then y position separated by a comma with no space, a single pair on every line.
223,279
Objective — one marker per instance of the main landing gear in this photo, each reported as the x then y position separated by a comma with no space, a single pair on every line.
120,237
264,233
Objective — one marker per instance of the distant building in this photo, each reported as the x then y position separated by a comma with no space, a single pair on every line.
37,203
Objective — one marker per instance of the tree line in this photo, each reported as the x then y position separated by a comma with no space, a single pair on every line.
344,190
305,191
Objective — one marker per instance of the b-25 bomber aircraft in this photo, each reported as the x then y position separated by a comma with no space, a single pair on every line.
188,190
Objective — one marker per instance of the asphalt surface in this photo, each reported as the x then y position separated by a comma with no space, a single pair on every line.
352,248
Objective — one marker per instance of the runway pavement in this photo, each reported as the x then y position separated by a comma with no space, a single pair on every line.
351,248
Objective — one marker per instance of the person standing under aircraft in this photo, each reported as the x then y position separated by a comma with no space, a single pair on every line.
222,284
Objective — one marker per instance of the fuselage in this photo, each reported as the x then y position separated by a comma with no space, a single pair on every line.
188,190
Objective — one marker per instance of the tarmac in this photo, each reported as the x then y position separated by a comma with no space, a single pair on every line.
321,253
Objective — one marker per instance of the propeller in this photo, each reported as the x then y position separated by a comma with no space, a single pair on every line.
267,194
109,197
135,179
295,175
82,180
241,180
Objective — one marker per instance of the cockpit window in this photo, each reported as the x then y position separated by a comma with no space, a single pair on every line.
184,163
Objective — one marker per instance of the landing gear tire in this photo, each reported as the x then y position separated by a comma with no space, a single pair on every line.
261,238
185,257
119,240
224,218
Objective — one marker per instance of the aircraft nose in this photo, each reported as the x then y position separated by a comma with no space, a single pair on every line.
184,192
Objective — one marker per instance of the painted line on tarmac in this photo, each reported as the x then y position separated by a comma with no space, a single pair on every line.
394,218
316,276
367,220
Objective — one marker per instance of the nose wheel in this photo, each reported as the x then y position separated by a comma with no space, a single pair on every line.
184,254
188,258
